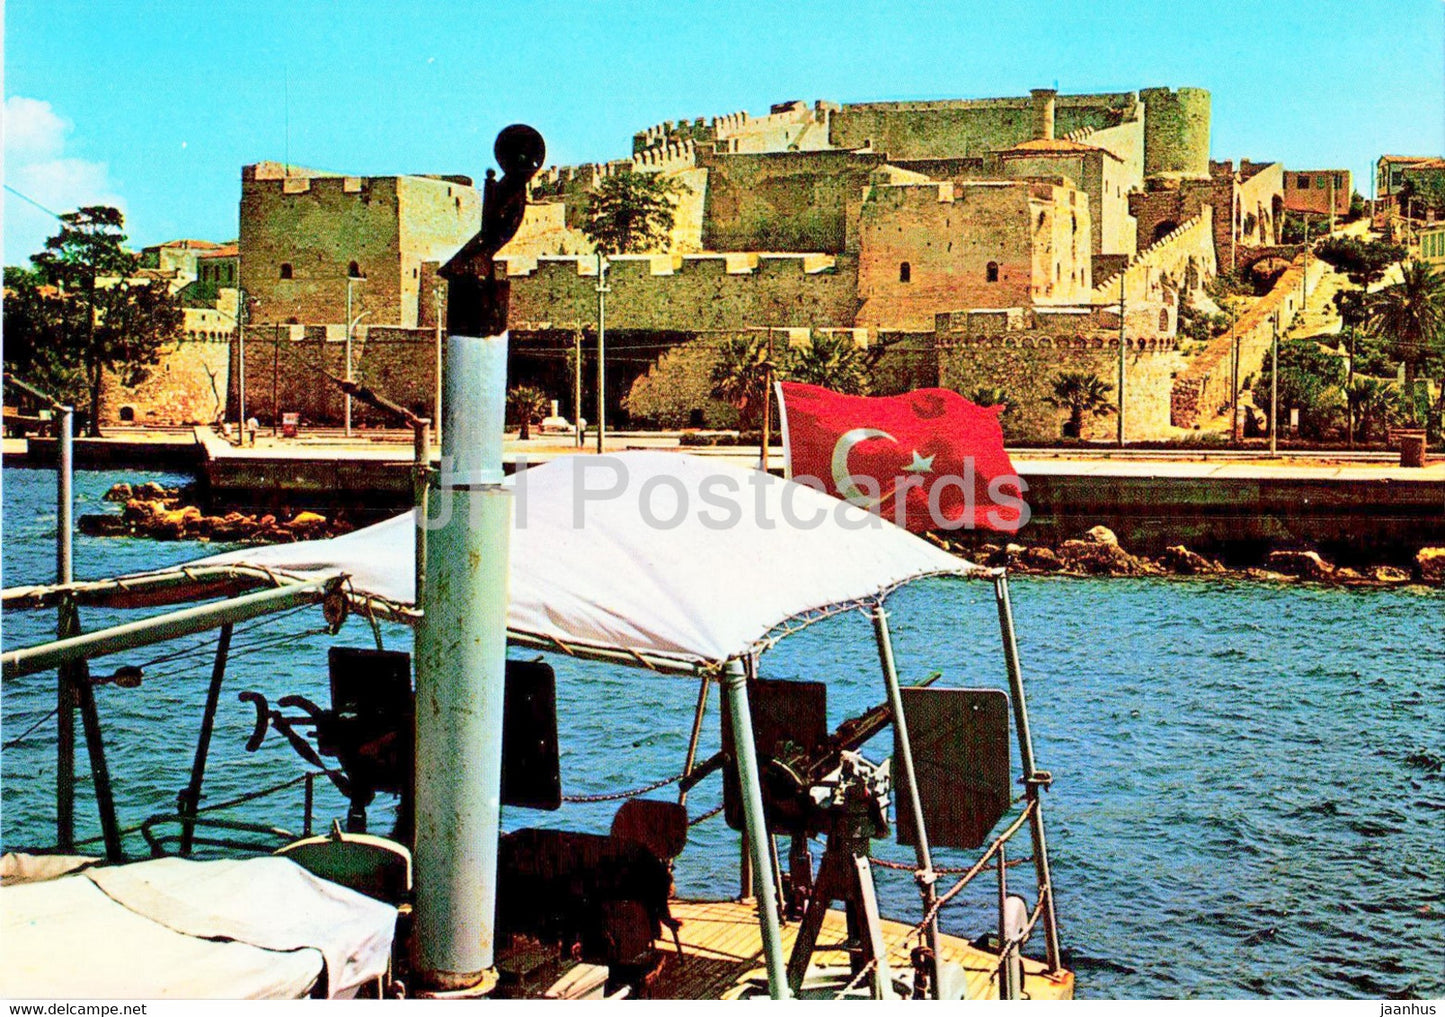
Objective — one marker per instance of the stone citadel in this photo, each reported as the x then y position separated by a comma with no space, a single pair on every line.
973,243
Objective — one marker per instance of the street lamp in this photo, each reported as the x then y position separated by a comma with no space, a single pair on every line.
601,349
351,277
1274,390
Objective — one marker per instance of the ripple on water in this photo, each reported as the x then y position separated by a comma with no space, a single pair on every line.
1248,778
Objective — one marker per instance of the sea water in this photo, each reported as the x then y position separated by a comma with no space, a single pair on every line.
1249,780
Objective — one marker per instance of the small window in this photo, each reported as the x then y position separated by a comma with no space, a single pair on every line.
991,272
905,272
127,414
1164,320
353,270
1304,183
285,270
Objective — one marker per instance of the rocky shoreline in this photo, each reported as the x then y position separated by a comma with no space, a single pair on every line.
1097,553
160,513
169,513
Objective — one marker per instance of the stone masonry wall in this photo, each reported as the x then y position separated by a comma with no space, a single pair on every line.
689,292
1202,390
1183,257
188,386
1025,364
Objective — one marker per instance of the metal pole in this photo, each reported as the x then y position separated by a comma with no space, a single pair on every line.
241,369
421,464
697,717
1121,357
903,750
64,695
436,415
577,384
1234,381
348,353
735,689
1349,385
601,349
132,635
461,649
191,796
767,404
1026,761
1274,389
77,677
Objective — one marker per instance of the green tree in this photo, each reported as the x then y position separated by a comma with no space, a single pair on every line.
1311,380
989,395
1410,314
832,361
526,405
1373,403
1082,394
740,375
630,213
1364,261
82,313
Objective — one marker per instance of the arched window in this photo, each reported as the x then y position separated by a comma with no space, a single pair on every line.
127,414
285,270
905,272
991,272
354,270
1164,320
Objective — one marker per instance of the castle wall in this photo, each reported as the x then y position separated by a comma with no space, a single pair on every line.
436,218
798,201
691,292
1176,132
1202,391
282,375
187,386
1182,261
1102,178
1035,235
1025,364
962,128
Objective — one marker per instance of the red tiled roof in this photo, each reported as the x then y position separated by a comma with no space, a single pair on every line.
1053,146
221,251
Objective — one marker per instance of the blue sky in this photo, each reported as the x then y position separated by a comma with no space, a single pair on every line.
156,106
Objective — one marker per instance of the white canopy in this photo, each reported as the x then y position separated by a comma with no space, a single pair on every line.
669,557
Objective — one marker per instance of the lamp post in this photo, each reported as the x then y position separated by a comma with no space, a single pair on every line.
1122,273
601,349
350,325
1274,389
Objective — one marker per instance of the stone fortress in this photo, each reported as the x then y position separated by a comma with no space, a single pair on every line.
973,243
979,243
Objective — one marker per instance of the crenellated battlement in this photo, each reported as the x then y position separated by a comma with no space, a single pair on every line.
1168,262
667,157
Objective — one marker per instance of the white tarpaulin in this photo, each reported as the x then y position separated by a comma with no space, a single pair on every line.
654,553
172,928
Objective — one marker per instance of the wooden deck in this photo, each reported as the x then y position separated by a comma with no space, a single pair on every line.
722,950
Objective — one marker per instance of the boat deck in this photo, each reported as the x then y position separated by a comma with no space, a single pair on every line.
722,950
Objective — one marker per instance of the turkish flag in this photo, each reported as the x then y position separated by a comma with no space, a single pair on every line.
927,459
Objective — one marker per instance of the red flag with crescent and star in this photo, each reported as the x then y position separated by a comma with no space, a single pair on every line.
927,459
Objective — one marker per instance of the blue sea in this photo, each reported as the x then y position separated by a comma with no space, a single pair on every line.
1249,790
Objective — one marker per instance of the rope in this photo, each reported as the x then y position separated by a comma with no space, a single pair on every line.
941,870
31,729
705,816
617,796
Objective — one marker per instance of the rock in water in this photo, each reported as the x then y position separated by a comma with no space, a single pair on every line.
1430,564
1041,559
121,492
1389,574
1102,535
1189,563
1305,564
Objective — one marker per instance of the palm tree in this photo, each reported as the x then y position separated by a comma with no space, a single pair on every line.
527,404
832,361
1411,315
989,395
740,375
1371,401
1080,393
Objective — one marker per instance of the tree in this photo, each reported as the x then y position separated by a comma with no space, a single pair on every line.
1311,380
1081,394
740,375
82,313
1373,403
1411,315
1364,261
630,213
832,361
527,404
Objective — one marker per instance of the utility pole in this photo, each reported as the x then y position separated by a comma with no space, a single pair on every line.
1349,388
437,403
601,349
240,364
1274,389
1234,379
1122,273
767,403
350,326
577,384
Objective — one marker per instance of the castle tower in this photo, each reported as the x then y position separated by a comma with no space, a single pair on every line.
1044,112
1176,132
